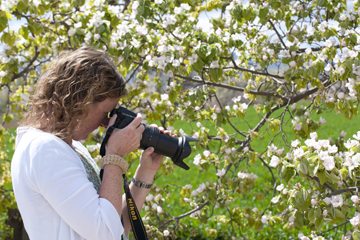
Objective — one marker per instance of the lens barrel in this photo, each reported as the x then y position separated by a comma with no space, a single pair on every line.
175,148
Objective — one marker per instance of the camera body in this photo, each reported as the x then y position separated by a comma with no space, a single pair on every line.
177,148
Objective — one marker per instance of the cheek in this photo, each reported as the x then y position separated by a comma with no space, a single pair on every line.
100,121
105,122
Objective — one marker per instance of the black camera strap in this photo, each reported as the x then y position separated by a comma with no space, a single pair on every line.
134,215
137,225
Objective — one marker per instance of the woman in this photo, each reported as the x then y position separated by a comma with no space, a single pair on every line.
56,183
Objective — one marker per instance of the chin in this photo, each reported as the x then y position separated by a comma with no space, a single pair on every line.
80,138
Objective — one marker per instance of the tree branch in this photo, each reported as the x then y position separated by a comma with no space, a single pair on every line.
27,67
253,71
198,208
278,34
126,4
235,88
340,191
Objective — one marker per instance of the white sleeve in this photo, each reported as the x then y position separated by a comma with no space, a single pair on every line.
61,180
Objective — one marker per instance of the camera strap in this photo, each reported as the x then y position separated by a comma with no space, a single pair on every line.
137,225
134,215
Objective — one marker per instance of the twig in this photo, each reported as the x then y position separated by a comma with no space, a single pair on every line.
340,191
278,34
185,214
27,67
235,88
253,71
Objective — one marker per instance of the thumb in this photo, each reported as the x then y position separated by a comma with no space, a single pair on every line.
149,151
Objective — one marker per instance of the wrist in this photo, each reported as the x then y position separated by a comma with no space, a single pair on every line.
141,184
110,151
114,160
144,175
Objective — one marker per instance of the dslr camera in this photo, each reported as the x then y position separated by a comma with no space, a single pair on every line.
176,148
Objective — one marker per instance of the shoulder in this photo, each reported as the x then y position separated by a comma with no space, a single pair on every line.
38,140
43,148
39,155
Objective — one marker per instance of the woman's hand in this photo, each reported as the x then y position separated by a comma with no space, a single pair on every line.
125,140
150,162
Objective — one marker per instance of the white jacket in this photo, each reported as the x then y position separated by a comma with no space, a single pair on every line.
55,198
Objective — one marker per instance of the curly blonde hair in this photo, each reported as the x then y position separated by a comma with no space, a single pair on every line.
73,81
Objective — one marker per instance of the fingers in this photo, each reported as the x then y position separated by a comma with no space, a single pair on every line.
112,120
136,122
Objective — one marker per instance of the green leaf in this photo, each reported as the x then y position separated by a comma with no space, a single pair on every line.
314,214
338,216
287,173
8,38
356,235
263,15
3,20
302,200
303,167
322,177
215,74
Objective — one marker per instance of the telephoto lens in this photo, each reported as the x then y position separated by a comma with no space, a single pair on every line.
177,148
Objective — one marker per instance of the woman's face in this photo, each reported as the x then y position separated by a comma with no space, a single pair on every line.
97,114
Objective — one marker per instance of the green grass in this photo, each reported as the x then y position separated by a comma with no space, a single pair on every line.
257,197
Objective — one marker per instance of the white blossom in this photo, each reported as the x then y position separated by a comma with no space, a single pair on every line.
159,210
328,162
166,232
355,221
164,97
214,64
221,172
200,189
275,199
325,213
213,116
97,36
206,153
352,162
243,175
280,187
197,160
292,64
274,162
169,20
264,219
141,30
3,74
355,199
313,135
327,67
357,136
71,32
337,201
333,149
295,143
149,197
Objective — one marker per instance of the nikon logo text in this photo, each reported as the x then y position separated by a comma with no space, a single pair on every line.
132,209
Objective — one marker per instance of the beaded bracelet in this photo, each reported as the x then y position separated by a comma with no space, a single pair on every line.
115,160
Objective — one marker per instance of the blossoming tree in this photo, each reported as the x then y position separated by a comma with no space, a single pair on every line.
283,59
